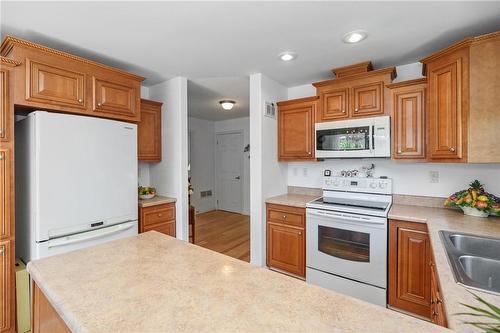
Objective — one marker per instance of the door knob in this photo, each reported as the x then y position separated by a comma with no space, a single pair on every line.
237,177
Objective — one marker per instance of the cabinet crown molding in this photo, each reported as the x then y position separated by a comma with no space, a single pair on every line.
298,100
467,42
388,70
9,62
406,83
10,42
148,101
361,67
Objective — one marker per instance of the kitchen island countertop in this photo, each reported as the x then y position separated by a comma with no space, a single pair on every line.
156,283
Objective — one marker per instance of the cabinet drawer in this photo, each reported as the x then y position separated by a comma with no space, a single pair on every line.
286,215
157,214
116,98
54,85
165,228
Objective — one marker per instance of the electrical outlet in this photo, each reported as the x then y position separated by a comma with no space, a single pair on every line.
434,176
304,172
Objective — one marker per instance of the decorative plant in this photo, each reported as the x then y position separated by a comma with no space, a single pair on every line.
475,197
144,190
488,317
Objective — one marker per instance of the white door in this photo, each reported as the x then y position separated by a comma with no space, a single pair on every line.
229,171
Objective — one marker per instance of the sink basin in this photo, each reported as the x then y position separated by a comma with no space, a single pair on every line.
479,246
483,271
475,260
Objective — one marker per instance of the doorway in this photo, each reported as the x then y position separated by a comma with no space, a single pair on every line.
229,171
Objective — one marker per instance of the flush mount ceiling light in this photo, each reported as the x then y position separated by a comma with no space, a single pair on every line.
355,36
287,56
227,104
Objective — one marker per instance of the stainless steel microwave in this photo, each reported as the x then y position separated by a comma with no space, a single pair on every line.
364,137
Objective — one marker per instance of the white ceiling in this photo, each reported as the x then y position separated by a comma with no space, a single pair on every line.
198,40
204,96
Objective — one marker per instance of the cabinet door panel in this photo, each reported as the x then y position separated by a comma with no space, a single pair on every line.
165,228
409,268
54,85
285,249
368,99
149,133
6,285
334,105
445,110
296,133
5,203
115,98
409,124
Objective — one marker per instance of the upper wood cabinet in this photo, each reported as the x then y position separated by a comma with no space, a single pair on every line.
357,92
115,98
296,129
149,132
408,100
463,115
53,80
54,85
409,267
286,239
368,99
335,104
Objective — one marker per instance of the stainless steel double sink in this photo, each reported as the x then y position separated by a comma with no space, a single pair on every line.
474,260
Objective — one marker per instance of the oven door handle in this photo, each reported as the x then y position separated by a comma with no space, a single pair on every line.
348,217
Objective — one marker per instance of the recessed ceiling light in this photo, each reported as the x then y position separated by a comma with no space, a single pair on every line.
227,104
354,36
287,56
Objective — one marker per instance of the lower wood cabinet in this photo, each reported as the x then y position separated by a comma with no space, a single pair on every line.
413,281
286,239
149,132
296,129
45,317
160,218
409,268
7,301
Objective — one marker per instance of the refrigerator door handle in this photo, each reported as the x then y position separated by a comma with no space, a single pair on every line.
85,236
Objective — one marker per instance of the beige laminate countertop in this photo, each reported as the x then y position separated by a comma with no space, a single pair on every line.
452,220
156,283
157,200
290,199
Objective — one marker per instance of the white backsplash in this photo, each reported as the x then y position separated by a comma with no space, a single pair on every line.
408,178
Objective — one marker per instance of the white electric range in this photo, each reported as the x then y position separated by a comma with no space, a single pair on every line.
346,247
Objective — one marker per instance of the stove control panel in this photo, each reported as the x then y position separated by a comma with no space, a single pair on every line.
357,184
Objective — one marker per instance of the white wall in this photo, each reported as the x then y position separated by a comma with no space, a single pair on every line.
243,125
408,178
268,177
170,176
202,159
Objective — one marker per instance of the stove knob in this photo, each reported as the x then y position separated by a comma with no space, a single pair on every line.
382,185
373,185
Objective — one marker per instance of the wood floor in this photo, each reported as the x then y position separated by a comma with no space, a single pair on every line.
224,232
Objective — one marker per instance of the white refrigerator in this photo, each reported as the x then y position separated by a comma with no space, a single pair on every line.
76,183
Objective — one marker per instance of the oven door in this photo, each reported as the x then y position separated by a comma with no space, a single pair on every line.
348,245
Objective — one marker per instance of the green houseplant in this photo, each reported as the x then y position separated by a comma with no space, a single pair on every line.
488,317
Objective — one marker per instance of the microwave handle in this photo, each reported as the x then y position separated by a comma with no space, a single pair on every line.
372,138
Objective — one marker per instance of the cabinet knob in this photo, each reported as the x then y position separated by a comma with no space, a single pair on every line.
2,250
356,109
400,152
284,217
431,263
434,313
343,111
439,300
99,104
80,100
1,157
1,131
160,214
309,152
300,232
452,149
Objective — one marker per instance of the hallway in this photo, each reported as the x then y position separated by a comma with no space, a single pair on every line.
224,232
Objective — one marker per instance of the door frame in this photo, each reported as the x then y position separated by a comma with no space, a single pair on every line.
242,176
